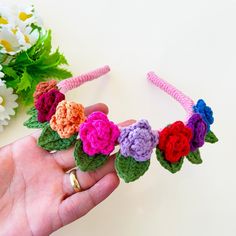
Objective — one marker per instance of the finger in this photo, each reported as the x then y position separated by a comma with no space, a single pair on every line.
88,110
88,179
65,158
79,204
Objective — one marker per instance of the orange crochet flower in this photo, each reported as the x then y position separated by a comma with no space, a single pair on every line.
44,87
67,119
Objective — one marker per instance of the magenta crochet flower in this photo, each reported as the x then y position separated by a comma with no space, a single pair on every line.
98,134
47,104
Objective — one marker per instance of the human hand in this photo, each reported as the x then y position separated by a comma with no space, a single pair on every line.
36,197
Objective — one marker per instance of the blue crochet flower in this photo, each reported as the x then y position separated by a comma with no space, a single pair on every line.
205,112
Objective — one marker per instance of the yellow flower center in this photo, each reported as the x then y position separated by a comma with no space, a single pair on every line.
6,45
14,31
27,40
3,21
23,16
3,103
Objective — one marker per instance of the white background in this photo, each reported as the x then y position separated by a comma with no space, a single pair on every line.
192,44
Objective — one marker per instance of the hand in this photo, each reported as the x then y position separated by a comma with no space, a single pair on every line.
36,197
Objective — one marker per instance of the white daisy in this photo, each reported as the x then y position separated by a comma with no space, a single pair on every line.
7,102
6,15
10,41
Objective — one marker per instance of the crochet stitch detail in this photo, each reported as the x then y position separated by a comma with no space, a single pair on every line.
47,103
98,134
138,141
44,87
67,119
175,141
199,129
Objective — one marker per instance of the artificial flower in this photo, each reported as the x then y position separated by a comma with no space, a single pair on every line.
67,119
47,103
199,130
205,111
98,134
7,102
44,87
174,141
138,141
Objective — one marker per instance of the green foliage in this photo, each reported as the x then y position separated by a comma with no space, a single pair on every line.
194,157
86,162
172,167
25,70
51,141
129,169
211,137
33,122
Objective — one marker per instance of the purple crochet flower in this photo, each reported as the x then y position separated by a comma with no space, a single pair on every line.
138,141
199,129
47,104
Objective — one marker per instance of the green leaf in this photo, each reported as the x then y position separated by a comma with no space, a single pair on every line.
86,162
25,82
211,137
51,141
31,111
33,122
172,167
194,157
129,169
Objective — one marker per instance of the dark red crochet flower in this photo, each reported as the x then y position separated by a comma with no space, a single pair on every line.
174,141
47,104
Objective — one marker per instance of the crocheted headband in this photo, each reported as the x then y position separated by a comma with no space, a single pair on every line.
65,124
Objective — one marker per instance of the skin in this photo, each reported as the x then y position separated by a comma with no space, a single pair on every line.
36,197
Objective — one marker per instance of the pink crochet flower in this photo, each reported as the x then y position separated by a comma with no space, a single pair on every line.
98,134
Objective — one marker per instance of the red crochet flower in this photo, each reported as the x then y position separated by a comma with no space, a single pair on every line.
175,141
47,104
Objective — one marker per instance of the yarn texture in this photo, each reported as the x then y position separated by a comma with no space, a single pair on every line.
172,167
205,111
211,137
43,87
67,119
98,134
175,141
51,141
138,141
47,103
194,157
129,169
199,129
86,162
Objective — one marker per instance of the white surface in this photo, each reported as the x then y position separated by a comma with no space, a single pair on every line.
192,44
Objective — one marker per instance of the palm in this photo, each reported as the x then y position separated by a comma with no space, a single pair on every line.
35,194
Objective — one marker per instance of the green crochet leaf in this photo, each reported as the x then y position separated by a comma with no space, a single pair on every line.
211,137
31,111
51,141
172,167
33,122
86,162
195,157
129,169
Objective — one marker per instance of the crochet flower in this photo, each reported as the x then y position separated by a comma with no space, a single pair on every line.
44,87
98,134
205,112
47,103
7,102
138,141
199,129
67,119
174,141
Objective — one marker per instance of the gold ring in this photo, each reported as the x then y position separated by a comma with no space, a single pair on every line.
74,181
